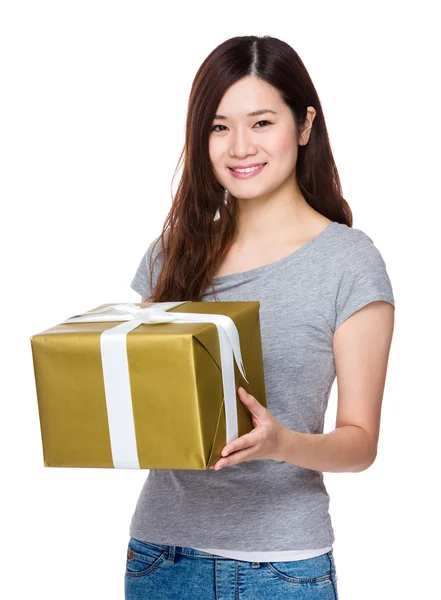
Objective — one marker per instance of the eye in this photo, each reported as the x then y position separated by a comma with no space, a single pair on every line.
264,121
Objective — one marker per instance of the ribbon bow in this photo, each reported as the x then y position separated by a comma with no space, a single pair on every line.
113,345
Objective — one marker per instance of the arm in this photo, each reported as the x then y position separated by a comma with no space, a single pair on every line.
361,347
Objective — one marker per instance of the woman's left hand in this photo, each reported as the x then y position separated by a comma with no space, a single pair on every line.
263,442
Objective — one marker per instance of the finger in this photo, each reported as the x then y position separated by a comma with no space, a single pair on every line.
256,409
246,440
236,458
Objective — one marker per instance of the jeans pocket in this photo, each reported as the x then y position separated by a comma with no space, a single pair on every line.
308,570
143,558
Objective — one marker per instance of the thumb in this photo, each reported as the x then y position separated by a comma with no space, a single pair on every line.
248,399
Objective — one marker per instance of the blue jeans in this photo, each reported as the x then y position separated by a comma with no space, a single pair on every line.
162,572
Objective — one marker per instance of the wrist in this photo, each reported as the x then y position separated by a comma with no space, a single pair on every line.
287,442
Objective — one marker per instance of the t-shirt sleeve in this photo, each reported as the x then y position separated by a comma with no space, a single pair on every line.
141,280
364,279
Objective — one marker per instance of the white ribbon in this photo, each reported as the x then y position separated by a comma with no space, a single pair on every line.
113,343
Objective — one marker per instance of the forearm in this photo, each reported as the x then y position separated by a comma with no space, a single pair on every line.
345,449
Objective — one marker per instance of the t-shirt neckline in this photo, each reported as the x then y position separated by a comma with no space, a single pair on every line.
281,261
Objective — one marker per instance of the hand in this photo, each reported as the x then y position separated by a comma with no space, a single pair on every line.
263,442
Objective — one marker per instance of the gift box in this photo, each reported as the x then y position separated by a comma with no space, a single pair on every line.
150,385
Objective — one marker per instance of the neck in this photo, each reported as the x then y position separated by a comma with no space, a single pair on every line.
268,220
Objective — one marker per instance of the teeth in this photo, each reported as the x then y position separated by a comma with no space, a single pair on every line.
247,170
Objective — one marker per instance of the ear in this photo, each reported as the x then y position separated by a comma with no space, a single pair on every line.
307,126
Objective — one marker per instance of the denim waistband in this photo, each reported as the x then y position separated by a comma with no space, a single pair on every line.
188,551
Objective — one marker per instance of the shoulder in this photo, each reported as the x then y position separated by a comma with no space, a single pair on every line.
348,236
354,256
351,243
154,249
361,274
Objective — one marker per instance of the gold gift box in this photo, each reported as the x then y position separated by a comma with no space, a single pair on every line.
175,384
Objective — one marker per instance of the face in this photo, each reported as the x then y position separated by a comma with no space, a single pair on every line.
238,138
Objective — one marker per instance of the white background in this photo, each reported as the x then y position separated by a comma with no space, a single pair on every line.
93,104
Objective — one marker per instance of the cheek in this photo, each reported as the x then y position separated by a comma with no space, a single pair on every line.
282,148
282,142
216,151
218,159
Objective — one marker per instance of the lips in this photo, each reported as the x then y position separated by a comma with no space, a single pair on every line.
247,166
247,174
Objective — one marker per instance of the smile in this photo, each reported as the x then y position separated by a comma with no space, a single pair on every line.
246,173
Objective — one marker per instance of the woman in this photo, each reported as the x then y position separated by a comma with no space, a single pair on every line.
259,215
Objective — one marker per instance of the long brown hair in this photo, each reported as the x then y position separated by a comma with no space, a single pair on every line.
193,240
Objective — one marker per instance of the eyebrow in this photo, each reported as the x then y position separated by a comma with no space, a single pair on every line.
255,113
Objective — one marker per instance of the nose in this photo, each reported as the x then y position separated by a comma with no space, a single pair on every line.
241,144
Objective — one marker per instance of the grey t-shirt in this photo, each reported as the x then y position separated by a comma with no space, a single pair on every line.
269,505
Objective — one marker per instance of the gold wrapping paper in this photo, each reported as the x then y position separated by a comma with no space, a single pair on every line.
175,383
